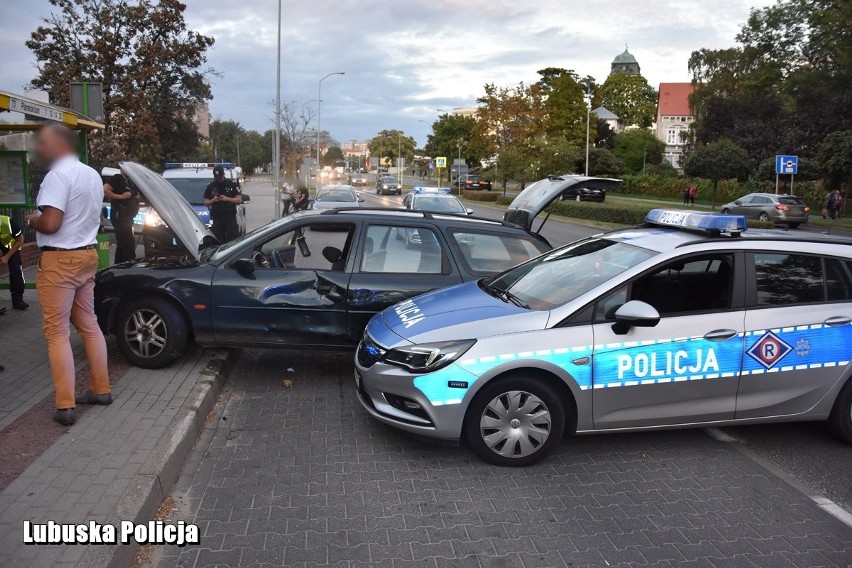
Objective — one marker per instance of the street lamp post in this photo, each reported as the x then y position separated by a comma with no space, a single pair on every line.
588,98
319,120
276,144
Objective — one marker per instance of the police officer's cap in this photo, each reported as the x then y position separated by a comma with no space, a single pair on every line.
218,171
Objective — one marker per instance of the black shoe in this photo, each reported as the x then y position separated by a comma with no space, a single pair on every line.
65,416
19,305
89,397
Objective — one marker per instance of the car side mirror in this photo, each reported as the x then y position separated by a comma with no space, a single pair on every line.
635,313
737,203
246,198
244,266
469,211
360,200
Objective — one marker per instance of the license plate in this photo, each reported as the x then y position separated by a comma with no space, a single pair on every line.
357,379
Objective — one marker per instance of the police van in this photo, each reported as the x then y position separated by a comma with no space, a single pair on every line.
191,180
689,320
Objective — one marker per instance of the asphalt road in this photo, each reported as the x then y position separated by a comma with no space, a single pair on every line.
804,451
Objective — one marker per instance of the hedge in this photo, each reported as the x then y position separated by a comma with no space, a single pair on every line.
728,190
489,196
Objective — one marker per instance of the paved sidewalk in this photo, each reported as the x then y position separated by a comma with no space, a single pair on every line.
116,463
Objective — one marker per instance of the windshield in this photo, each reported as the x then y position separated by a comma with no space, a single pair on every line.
388,181
556,278
191,189
439,204
337,195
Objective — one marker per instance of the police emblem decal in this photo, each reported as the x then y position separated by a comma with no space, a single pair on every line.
769,350
803,347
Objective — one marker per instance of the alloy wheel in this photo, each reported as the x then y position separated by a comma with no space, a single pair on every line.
146,333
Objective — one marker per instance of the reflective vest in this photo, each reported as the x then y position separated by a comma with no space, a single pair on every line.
6,237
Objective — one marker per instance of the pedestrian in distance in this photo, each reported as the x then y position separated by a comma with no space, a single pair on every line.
686,195
11,241
838,204
828,205
66,224
301,199
222,197
124,205
693,191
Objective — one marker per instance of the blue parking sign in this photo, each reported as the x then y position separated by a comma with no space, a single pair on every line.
787,165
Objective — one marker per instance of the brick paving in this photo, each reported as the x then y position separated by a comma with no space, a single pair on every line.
301,477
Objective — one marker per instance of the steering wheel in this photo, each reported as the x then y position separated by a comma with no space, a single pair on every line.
276,254
260,259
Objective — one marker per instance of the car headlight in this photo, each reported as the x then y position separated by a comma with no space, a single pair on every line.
153,219
428,357
384,187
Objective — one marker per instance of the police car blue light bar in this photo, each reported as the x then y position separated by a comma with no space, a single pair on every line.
197,165
427,189
705,222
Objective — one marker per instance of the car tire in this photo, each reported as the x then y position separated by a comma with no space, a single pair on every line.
840,419
793,225
151,332
509,431
763,217
726,211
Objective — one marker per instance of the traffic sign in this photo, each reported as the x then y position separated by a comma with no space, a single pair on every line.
431,165
787,165
441,162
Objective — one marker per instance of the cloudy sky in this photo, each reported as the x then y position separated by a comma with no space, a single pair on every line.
406,59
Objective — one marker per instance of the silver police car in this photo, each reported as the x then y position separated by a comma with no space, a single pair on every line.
690,320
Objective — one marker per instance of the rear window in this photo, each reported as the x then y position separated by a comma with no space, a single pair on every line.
489,253
790,201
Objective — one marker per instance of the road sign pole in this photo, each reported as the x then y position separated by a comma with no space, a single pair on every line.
776,183
791,183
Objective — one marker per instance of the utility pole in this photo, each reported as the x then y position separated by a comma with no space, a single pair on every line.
276,144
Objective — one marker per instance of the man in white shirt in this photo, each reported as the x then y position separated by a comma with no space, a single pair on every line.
69,204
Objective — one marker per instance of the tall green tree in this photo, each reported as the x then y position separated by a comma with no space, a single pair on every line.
716,161
631,98
835,159
151,67
638,148
333,157
450,130
565,109
386,146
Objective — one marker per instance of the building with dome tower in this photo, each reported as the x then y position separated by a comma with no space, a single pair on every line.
625,63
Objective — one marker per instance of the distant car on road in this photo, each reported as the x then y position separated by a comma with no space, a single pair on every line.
358,179
388,184
779,209
435,203
337,196
473,182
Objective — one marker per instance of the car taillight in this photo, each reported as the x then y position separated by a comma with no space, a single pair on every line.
807,209
782,207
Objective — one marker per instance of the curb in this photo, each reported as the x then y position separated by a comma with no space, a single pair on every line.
160,472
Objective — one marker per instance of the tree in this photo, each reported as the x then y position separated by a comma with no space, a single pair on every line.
387,144
605,135
554,157
835,159
565,111
716,161
448,130
148,62
631,98
603,162
333,157
638,148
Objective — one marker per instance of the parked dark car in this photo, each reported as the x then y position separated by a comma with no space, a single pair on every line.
473,182
309,280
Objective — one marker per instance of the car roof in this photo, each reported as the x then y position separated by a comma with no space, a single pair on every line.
433,195
378,212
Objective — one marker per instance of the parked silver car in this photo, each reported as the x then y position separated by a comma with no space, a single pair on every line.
779,209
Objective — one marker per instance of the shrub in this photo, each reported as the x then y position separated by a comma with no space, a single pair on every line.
489,196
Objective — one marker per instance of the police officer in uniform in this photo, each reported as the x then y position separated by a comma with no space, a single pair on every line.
11,241
123,209
222,197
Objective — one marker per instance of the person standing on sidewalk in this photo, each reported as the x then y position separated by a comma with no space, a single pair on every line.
122,211
11,241
222,197
69,203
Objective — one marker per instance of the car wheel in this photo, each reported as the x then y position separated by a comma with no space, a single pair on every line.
151,332
726,211
764,217
515,421
840,420
793,225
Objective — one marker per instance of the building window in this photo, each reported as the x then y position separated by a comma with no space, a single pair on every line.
673,135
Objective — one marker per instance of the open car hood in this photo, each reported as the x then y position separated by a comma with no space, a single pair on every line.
535,198
174,210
